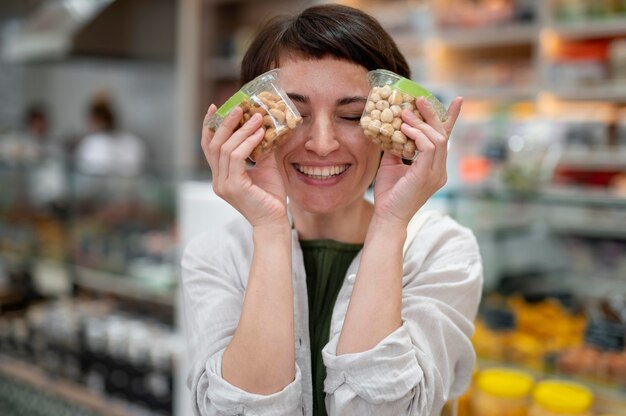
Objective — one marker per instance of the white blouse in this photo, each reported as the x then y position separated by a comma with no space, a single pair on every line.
413,371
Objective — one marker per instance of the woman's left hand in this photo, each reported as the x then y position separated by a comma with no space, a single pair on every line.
400,190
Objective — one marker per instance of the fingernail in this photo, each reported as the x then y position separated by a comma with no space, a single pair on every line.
255,117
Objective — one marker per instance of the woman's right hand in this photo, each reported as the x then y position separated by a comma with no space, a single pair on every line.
257,193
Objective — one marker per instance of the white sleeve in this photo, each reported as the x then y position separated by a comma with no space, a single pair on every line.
212,300
430,358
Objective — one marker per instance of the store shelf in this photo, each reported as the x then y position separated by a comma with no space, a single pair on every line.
606,92
606,397
595,285
551,195
594,228
513,34
584,29
64,389
583,196
503,93
594,159
126,287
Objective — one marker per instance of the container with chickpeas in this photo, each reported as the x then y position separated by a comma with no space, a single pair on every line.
262,95
389,95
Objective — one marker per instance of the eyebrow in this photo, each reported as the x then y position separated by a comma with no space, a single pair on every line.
298,97
340,102
351,100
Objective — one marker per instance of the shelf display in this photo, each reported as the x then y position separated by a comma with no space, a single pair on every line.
111,354
126,229
32,234
120,227
556,340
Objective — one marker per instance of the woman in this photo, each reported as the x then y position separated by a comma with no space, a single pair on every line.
323,305
107,150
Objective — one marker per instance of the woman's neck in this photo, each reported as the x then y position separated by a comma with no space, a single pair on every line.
348,225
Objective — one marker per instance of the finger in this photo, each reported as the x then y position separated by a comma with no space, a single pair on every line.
223,133
429,115
226,151
439,141
389,159
424,161
207,133
441,145
239,156
453,114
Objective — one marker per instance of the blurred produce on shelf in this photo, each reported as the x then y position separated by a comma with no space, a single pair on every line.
472,14
555,337
517,331
577,10
526,147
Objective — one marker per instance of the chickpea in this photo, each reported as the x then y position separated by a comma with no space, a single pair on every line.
382,120
278,119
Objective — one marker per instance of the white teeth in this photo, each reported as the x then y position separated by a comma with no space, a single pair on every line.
322,172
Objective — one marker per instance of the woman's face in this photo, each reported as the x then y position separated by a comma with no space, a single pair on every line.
328,163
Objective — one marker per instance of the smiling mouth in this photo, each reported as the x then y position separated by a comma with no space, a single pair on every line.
319,172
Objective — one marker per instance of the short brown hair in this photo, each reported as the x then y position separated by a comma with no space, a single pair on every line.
328,30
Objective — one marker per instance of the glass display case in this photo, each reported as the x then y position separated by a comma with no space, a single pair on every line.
122,235
88,271
33,233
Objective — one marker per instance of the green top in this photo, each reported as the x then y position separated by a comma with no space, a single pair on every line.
326,263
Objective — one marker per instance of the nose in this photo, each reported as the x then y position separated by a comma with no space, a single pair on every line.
321,137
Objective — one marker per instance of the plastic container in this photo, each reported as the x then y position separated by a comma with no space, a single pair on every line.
389,95
561,398
265,96
501,392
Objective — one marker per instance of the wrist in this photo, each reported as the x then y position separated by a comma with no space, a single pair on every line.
388,224
271,230
389,229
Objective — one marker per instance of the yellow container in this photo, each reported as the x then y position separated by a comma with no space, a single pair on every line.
501,392
561,398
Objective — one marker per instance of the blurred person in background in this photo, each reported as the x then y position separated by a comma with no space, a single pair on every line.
32,141
41,157
108,150
320,302
37,132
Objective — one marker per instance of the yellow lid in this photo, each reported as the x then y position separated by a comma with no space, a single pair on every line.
505,383
562,396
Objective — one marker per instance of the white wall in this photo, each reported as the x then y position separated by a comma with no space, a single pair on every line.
142,92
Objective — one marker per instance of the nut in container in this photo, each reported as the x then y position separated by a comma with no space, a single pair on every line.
381,121
262,95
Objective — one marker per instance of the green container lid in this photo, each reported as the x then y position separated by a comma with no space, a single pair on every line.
249,89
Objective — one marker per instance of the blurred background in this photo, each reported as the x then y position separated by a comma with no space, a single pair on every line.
102,183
